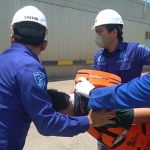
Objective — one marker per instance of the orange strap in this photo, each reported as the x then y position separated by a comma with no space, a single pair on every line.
94,133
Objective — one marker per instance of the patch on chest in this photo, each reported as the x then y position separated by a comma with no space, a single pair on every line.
101,60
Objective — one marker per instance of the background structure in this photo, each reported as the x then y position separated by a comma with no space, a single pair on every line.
71,41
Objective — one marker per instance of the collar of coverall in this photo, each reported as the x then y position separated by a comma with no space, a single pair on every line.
120,47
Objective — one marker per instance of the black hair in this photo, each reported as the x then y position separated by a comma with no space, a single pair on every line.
118,27
60,100
29,33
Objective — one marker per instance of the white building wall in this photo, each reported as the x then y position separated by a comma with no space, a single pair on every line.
69,21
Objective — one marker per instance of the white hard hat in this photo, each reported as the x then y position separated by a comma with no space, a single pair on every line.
107,16
29,13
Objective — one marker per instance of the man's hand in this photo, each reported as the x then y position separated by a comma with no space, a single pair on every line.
71,91
101,118
83,87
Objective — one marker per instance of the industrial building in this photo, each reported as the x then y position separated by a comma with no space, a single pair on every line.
71,44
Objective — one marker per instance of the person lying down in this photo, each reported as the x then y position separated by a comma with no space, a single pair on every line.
113,136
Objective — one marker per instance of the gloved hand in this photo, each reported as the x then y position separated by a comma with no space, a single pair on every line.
83,87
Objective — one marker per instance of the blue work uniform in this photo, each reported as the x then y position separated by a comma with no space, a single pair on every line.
134,94
24,98
126,61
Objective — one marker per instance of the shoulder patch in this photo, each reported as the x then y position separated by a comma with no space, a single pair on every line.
144,46
40,79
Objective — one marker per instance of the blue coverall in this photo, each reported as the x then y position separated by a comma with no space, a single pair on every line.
134,94
24,98
126,61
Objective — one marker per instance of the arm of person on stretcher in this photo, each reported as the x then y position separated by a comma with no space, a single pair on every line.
141,115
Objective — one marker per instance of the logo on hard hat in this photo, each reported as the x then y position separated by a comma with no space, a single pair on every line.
31,17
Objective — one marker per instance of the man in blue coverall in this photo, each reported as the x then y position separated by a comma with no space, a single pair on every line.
121,58
23,92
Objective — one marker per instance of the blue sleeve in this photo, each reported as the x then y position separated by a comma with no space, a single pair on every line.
143,54
133,94
32,82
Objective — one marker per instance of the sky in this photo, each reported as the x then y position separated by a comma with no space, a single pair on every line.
147,1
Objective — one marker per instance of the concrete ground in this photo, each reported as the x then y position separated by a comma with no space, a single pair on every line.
35,141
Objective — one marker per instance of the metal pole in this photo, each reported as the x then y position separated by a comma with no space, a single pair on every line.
145,9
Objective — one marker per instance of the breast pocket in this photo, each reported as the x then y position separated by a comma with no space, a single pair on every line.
101,66
123,66
123,71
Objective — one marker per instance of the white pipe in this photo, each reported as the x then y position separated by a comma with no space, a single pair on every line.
145,9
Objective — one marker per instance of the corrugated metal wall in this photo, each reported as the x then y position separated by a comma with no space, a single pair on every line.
70,37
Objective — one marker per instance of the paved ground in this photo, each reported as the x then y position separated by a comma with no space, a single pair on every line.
81,142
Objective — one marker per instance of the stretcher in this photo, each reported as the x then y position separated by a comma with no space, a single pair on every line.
136,138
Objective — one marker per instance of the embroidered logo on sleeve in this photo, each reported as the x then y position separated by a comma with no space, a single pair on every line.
40,79
143,46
